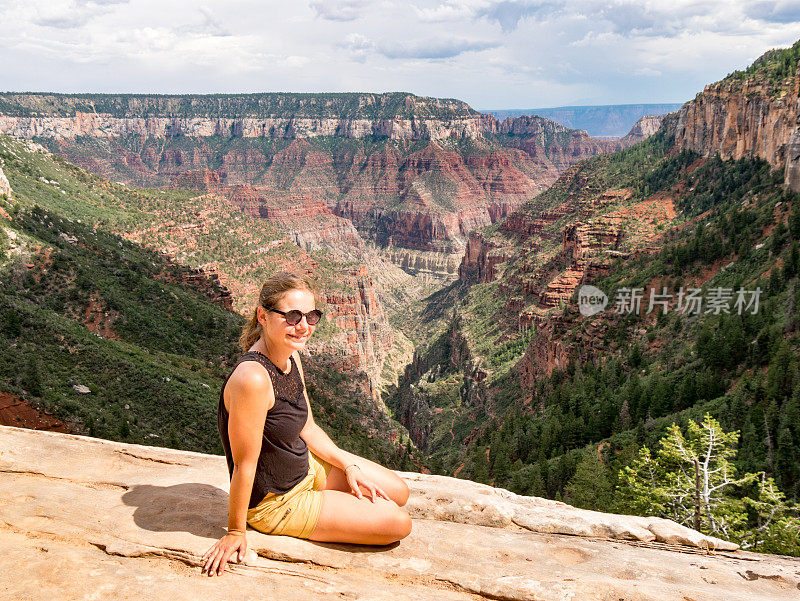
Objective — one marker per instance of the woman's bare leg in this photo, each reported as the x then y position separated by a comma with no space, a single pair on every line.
345,518
389,482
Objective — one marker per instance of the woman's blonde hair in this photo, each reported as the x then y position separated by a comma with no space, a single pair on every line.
271,292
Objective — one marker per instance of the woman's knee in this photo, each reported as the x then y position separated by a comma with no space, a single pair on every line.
397,489
400,525
401,493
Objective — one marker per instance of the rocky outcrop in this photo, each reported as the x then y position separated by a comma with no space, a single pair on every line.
644,127
587,244
480,259
114,520
365,338
544,354
744,118
5,187
738,120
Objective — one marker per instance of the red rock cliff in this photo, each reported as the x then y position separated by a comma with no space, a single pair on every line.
750,118
365,337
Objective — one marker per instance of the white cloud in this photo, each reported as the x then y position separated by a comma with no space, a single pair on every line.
211,24
70,14
776,11
491,53
647,72
509,13
339,10
358,46
434,48
448,11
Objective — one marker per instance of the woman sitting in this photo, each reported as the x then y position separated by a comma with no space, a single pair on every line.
287,476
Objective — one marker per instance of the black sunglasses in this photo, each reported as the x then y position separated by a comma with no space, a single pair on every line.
294,316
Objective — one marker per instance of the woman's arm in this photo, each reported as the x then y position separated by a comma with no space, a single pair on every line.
250,396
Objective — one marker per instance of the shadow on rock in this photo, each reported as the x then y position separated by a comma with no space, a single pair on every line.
191,507
354,548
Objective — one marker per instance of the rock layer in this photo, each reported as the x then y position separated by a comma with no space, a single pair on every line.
91,518
644,127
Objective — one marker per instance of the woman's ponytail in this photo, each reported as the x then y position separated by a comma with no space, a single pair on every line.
250,332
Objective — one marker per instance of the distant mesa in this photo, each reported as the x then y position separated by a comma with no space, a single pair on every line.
603,121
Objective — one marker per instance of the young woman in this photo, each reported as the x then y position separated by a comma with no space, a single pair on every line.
287,476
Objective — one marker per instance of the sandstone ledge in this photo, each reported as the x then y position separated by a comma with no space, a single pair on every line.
83,518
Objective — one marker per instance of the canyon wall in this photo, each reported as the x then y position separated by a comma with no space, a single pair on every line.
365,338
412,172
745,118
108,126
644,127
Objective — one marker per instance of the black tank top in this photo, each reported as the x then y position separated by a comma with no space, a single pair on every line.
283,460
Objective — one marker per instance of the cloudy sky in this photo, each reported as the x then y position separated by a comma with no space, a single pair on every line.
493,54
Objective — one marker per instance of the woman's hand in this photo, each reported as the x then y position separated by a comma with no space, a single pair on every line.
217,556
357,481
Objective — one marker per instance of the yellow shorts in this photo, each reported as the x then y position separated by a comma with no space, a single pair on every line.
295,512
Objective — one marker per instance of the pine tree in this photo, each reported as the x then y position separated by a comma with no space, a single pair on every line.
591,486
777,522
687,478
32,377
692,480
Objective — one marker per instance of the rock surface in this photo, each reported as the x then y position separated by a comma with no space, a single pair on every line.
91,519
5,187
644,127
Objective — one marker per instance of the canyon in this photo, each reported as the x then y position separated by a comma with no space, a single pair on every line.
450,247
389,184
421,174
515,332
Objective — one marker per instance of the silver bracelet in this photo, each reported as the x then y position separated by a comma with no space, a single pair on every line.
349,466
